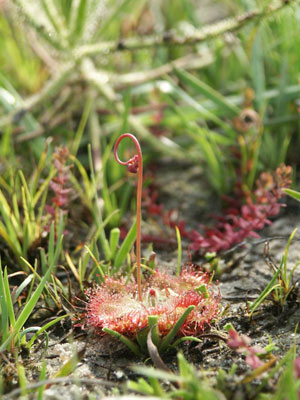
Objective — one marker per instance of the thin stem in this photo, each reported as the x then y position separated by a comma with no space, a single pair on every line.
133,167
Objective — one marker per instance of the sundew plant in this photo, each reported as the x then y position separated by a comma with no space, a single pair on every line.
183,305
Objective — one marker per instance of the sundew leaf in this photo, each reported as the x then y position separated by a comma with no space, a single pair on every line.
153,352
185,339
171,335
155,373
129,343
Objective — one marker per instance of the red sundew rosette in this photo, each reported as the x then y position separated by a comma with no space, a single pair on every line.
116,307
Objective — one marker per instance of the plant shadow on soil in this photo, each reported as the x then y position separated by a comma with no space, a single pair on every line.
246,275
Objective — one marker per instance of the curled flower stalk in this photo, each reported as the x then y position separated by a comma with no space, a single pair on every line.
135,165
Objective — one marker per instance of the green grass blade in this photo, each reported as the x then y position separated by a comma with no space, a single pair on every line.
87,191
114,241
43,188
59,240
13,244
79,20
98,214
53,16
120,6
44,328
203,112
51,243
22,379
285,256
70,365
82,124
35,329
94,258
258,69
125,247
202,88
22,287
292,193
266,291
9,302
209,149
10,229
42,377
4,307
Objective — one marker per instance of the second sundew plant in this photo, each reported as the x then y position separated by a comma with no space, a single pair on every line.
157,308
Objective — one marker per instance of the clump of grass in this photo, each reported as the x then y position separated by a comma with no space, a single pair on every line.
12,323
282,288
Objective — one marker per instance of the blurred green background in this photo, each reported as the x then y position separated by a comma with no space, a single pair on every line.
213,82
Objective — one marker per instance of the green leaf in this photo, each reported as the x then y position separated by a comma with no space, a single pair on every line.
114,241
166,342
125,247
258,70
9,302
42,377
129,343
202,88
70,365
292,193
80,20
29,306
4,307
269,288
44,328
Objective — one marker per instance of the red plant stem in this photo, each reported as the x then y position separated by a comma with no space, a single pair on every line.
138,201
